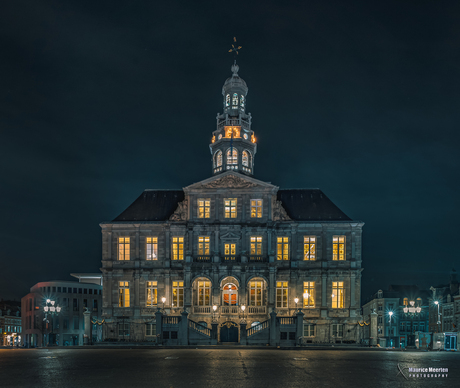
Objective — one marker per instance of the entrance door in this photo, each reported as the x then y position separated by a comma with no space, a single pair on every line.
229,332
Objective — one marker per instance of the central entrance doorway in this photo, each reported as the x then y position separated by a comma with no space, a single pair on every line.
229,332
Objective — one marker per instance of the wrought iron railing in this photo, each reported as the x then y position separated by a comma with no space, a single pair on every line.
201,259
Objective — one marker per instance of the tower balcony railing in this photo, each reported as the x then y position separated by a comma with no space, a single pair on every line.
231,259
257,259
234,122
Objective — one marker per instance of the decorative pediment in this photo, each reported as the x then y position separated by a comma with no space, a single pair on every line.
230,236
181,213
279,213
230,181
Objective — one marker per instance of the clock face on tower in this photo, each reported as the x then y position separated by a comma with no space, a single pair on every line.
220,136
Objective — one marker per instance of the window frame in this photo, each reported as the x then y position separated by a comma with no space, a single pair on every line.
309,288
282,248
204,288
339,246
177,248
255,245
282,294
151,288
307,329
309,248
151,245
204,245
232,156
124,248
230,209
337,330
256,208
256,293
123,294
177,294
338,290
203,207
149,332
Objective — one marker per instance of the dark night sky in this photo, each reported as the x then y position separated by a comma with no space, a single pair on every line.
101,100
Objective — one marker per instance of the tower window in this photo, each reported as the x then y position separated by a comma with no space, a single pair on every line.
230,207
227,100
232,157
245,158
256,208
235,99
204,208
242,101
218,159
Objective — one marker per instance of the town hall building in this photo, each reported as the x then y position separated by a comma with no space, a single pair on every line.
232,258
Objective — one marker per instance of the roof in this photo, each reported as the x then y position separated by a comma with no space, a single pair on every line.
152,205
310,205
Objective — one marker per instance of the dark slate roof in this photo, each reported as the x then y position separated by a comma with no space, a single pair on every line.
152,205
310,205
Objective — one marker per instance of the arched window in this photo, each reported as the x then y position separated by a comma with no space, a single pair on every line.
227,100
232,158
246,158
242,101
230,295
235,99
218,159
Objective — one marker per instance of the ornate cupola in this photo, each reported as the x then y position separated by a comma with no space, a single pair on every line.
233,145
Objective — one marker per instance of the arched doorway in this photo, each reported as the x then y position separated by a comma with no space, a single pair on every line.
229,332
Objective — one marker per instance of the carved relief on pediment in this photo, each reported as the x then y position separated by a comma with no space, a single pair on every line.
229,181
230,236
181,213
279,213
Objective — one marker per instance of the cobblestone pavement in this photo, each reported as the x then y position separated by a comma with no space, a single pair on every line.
222,368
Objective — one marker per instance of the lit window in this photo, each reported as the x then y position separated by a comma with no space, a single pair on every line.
337,295
151,294
178,294
338,248
235,99
204,293
255,293
281,294
309,248
337,330
230,207
406,302
227,100
218,159
152,248
230,249
123,248
242,101
282,248
203,245
150,329
230,295
256,245
256,208
178,248
245,158
204,208
309,330
123,294
232,157
308,294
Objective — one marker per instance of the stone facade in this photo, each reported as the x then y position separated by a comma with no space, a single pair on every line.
231,241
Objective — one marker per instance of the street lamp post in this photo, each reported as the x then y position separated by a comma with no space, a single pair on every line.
243,307
163,299
51,310
296,300
390,332
214,309
438,321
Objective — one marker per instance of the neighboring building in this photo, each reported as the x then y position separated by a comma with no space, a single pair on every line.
10,323
231,241
408,307
66,327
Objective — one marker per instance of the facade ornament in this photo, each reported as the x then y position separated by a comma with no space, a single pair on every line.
181,212
229,181
279,213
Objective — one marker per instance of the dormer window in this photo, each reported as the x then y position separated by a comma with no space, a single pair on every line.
227,100
235,99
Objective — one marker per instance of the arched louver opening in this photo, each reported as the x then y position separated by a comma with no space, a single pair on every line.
235,99
232,157
227,100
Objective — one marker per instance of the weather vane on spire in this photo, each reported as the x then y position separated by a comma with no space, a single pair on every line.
234,48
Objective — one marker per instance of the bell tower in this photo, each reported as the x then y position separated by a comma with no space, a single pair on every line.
233,144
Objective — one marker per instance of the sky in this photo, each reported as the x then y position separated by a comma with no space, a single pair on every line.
101,100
